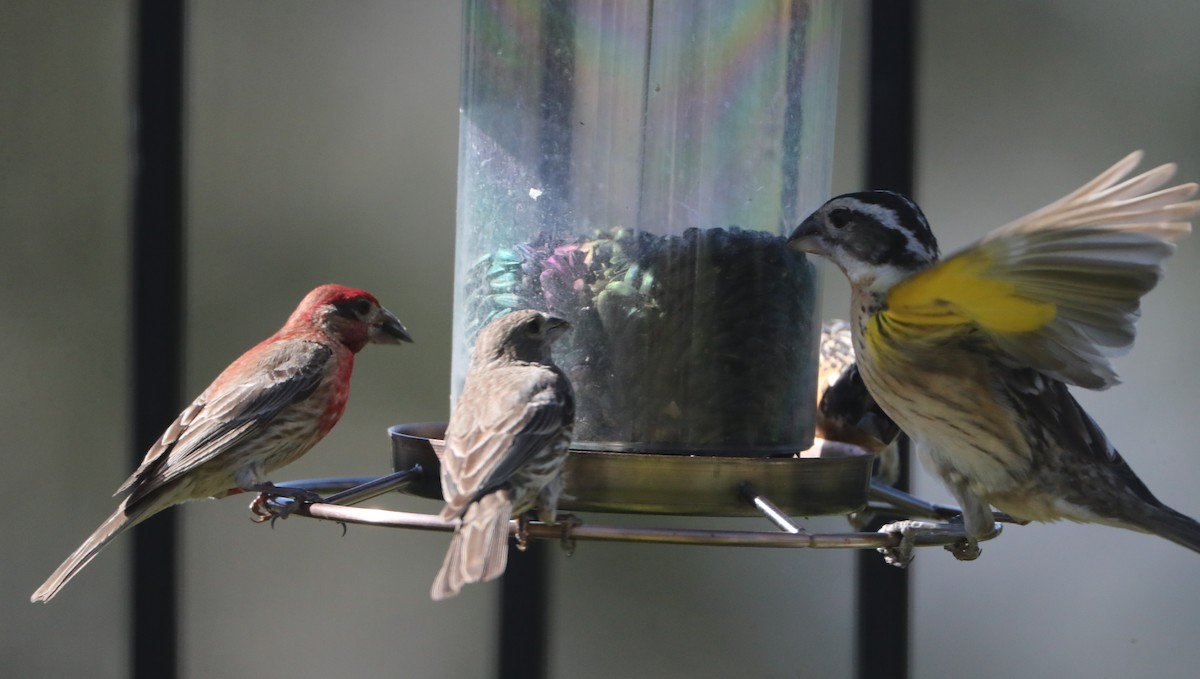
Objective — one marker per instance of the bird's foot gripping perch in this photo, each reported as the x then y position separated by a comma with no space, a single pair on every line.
522,532
913,533
966,549
278,502
902,553
567,523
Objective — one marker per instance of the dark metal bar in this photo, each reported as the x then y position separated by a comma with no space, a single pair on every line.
891,108
157,314
883,591
335,484
899,503
376,487
524,612
349,490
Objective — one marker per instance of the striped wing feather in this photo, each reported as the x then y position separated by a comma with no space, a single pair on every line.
504,418
226,415
1059,290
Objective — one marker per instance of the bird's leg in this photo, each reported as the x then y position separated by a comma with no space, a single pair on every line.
977,520
547,502
547,512
567,523
522,531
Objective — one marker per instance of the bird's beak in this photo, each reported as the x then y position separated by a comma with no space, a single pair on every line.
880,428
808,237
387,329
555,327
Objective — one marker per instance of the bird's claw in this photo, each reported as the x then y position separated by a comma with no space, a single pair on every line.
966,549
264,508
902,553
268,507
567,524
260,509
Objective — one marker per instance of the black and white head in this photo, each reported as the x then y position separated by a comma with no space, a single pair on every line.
523,335
875,237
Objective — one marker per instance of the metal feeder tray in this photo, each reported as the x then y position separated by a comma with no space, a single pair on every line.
831,478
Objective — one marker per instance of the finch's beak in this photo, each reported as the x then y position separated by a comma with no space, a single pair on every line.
555,327
881,429
808,237
387,329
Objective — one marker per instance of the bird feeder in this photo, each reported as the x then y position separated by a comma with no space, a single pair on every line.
635,167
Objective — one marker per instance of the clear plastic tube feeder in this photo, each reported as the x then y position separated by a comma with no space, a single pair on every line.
634,167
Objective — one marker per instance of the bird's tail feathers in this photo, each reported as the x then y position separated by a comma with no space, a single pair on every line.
121,520
479,550
1174,526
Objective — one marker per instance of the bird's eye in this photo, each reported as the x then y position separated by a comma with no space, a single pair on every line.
840,217
534,326
354,309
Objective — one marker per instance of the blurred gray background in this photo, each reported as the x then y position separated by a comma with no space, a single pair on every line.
321,141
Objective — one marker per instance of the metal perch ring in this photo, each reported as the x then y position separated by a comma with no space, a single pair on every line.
790,535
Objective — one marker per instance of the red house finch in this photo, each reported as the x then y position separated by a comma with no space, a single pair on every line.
972,355
505,445
266,409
